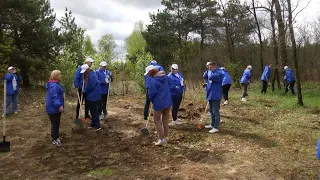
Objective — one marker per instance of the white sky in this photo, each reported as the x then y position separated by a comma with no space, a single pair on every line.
117,17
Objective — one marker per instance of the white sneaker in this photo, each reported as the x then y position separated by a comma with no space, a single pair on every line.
243,99
226,102
161,142
176,122
101,117
208,126
214,130
15,113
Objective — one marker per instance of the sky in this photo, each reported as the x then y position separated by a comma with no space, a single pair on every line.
118,17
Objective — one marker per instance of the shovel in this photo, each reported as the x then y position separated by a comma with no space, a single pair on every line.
199,125
79,121
191,104
145,130
182,109
4,145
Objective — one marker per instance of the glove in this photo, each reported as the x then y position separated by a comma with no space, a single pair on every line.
204,85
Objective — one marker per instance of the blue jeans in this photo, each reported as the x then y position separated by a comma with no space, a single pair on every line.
176,100
12,98
93,107
214,107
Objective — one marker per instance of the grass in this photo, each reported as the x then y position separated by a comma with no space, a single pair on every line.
101,172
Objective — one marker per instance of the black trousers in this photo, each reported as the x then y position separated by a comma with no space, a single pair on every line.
146,106
264,87
86,107
291,86
225,91
176,100
55,125
102,108
244,90
95,123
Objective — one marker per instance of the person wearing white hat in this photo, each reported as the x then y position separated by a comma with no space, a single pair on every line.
226,84
78,84
289,80
105,78
147,84
265,77
12,91
246,76
177,89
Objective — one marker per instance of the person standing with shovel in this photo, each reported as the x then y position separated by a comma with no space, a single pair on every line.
214,78
226,84
159,94
105,78
177,89
55,104
12,91
246,76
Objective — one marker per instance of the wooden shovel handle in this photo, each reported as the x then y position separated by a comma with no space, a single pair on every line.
4,107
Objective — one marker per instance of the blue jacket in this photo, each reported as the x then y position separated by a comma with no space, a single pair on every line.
54,97
160,68
266,74
176,88
92,88
78,79
318,150
226,78
147,81
9,77
104,86
290,77
214,88
159,92
246,76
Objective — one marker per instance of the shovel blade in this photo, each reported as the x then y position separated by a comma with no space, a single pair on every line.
78,122
5,145
145,131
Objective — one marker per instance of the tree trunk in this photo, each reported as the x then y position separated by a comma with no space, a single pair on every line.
202,32
259,35
295,54
282,33
276,76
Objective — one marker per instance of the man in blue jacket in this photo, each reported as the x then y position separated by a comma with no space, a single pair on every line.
214,78
105,78
265,77
153,64
78,84
12,90
246,76
226,84
289,80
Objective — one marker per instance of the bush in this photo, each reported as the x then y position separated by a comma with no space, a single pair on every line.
233,69
143,60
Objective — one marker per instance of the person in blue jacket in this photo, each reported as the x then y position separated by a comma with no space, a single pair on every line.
318,149
214,78
105,78
93,91
12,91
78,84
289,80
246,76
55,104
154,64
159,94
177,89
265,77
226,84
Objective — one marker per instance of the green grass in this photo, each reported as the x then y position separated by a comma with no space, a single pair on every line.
101,172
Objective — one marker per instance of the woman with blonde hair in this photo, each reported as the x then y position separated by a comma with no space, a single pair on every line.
55,104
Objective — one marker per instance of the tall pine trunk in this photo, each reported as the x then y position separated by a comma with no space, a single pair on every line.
295,54
259,35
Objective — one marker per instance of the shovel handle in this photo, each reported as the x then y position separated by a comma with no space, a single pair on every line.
150,110
4,108
196,95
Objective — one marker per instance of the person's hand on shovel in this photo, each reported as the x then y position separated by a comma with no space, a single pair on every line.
61,109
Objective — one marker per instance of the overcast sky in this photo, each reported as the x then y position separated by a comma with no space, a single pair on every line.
117,17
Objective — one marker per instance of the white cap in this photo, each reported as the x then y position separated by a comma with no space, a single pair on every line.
153,62
103,63
249,67
222,68
89,60
84,68
286,67
174,66
208,63
149,68
9,68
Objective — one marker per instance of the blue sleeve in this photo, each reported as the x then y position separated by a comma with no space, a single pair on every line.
216,76
161,68
8,77
19,79
287,75
77,77
147,81
248,74
153,90
171,85
92,81
205,75
100,81
54,96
